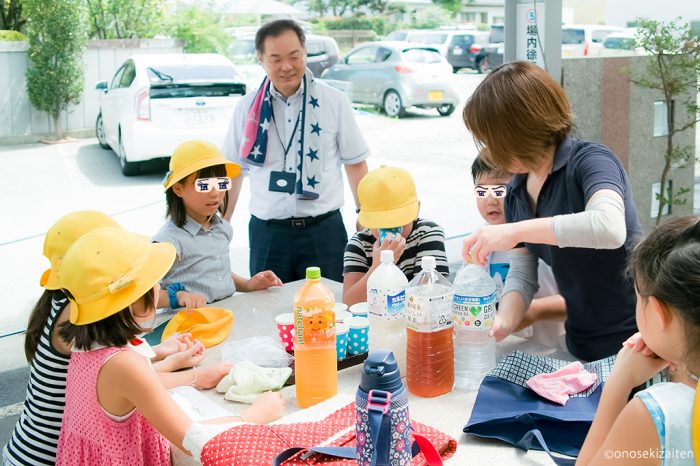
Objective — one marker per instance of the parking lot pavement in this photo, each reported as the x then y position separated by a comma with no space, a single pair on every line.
44,182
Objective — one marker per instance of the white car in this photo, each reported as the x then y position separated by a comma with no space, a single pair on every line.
155,102
585,40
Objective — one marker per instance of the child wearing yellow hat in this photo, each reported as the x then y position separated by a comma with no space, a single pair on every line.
117,410
389,212
35,436
196,193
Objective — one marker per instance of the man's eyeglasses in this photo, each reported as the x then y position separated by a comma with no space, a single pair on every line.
205,185
498,191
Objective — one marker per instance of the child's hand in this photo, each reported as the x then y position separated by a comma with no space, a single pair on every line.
632,368
189,357
501,328
266,408
397,244
263,281
208,377
174,344
487,239
190,300
636,343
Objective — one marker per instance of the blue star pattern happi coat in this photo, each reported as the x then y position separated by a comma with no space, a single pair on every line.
253,148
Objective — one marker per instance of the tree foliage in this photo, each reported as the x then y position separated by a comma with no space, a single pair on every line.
674,70
341,7
199,31
56,41
125,19
11,17
453,7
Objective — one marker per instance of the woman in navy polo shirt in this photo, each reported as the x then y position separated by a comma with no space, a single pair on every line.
570,203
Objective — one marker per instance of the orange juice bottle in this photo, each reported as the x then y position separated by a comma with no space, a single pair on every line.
315,364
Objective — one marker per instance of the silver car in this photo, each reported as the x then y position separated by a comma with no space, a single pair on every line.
397,75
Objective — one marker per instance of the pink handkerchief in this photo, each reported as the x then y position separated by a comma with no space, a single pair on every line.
558,385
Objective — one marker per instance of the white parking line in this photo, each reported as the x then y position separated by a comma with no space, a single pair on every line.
11,410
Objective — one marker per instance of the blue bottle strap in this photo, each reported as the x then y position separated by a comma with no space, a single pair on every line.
535,436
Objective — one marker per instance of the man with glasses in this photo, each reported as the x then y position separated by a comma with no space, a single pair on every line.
292,135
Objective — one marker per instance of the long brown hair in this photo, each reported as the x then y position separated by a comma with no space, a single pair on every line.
520,113
37,320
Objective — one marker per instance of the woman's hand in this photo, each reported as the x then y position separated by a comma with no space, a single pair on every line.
266,408
208,377
189,357
484,241
632,368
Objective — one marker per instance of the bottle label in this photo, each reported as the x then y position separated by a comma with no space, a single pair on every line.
314,326
474,312
387,304
429,314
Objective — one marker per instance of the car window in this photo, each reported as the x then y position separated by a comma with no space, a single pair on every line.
463,40
128,76
117,77
383,55
572,36
435,39
621,43
397,35
421,56
160,73
416,38
315,48
242,47
599,35
363,56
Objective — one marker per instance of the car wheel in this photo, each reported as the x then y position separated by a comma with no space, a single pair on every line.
446,109
100,132
393,107
483,65
128,168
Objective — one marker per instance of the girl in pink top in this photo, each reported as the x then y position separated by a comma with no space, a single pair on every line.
117,411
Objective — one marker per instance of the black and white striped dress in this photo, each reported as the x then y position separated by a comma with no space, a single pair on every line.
35,437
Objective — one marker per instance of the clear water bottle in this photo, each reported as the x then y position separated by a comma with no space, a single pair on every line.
473,309
430,342
386,297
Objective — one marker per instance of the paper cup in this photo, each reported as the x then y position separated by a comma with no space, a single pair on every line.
340,307
285,329
357,335
341,340
342,316
360,309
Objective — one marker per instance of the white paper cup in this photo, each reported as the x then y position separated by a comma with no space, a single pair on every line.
360,309
340,307
342,316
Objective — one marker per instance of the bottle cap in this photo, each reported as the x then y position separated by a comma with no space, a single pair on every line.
428,263
386,256
381,372
313,273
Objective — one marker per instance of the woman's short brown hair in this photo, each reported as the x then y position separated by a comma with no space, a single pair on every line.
519,112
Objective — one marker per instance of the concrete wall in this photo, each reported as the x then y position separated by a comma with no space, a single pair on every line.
608,108
21,122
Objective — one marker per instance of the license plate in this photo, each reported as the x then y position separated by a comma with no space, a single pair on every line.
198,117
435,96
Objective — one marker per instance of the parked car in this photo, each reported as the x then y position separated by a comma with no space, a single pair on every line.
397,75
495,47
322,52
621,44
404,35
155,102
462,48
584,40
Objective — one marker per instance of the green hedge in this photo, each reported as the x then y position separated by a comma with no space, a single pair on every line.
352,23
12,35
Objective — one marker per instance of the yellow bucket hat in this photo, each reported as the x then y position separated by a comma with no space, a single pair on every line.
191,156
63,234
387,198
110,268
209,325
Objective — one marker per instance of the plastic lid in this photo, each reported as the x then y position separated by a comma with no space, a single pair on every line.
313,273
428,263
386,256
380,372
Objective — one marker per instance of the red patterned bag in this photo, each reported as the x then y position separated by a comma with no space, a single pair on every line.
252,445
